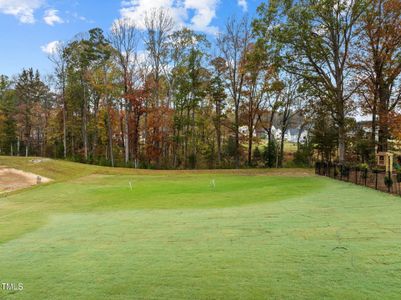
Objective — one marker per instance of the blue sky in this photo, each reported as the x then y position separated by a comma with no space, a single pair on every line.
29,28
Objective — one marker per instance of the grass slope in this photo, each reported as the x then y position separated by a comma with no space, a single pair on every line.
174,236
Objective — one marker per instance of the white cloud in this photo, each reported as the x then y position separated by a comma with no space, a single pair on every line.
51,17
51,47
196,14
23,10
205,12
243,4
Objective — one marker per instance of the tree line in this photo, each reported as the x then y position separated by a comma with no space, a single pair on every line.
169,97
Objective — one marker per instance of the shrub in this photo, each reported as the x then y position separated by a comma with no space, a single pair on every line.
364,170
303,156
376,170
257,156
388,181
270,154
336,172
363,167
192,161
345,171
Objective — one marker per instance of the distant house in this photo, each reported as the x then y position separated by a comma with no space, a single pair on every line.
276,132
366,126
293,134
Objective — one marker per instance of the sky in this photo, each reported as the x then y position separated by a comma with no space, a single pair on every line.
30,29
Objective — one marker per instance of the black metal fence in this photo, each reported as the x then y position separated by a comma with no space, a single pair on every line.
377,179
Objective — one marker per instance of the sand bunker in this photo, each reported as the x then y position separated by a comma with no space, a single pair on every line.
13,179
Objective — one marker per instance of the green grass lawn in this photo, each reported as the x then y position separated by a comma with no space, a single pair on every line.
256,235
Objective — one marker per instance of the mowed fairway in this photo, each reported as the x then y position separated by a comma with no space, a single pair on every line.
255,234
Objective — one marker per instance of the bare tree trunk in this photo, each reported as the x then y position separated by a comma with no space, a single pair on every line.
341,146
110,134
64,131
135,140
218,133
236,128
84,125
95,132
64,122
72,144
250,141
281,156
374,124
384,132
126,134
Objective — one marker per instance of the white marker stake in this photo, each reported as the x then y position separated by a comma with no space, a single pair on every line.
213,183
130,185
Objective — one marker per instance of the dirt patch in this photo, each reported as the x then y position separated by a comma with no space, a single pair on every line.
39,160
13,179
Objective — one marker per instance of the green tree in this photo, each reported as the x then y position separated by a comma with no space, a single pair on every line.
190,78
7,120
324,136
32,101
270,153
219,97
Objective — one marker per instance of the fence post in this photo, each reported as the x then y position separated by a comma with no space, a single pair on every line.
389,180
376,172
341,172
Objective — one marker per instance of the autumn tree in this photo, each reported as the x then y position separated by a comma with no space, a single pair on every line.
31,95
58,58
77,67
292,104
313,39
378,64
159,26
267,115
257,81
395,126
125,38
233,43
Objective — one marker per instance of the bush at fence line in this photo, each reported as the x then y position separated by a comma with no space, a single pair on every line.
335,171
399,176
388,181
363,167
376,170
345,170
319,165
